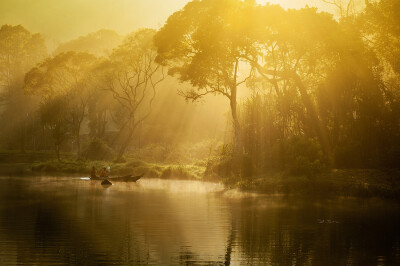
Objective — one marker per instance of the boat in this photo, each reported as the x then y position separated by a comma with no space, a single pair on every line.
106,183
125,178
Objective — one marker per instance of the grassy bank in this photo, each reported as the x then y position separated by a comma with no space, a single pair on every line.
347,183
45,163
135,167
359,183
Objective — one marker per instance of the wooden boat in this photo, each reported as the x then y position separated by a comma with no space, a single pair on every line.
126,178
106,183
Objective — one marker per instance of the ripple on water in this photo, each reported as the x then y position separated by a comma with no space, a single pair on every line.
49,221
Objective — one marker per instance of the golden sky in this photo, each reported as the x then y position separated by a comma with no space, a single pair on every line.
63,20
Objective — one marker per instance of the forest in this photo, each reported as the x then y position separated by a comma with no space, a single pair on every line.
226,90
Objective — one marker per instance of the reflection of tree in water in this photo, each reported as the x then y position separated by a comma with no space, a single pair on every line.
286,236
187,257
230,240
133,249
51,229
35,227
99,227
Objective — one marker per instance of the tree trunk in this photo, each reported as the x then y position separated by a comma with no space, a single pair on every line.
78,144
23,140
320,129
123,147
238,140
78,139
230,242
58,151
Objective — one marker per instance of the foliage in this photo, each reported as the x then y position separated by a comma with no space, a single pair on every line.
52,115
19,51
98,150
315,92
65,78
303,156
202,44
131,167
99,43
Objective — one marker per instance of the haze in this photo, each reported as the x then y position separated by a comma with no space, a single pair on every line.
206,132
61,20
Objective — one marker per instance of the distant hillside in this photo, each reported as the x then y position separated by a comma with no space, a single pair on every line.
98,43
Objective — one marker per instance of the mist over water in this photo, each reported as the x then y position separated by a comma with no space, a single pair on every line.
49,220
298,99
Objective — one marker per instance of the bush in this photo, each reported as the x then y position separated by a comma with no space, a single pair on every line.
298,155
178,171
303,166
347,155
98,150
392,157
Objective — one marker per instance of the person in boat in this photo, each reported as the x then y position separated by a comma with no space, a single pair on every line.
93,173
103,172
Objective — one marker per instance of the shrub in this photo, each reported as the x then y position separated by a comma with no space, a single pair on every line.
98,150
177,172
298,155
347,155
304,156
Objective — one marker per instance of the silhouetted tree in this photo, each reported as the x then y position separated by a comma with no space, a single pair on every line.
19,51
66,75
203,44
132,76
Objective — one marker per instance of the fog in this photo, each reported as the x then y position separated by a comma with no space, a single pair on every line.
61,21
200,132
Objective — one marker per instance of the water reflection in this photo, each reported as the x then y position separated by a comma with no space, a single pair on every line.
46,220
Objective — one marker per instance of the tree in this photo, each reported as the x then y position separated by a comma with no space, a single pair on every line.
337,79
380,24
380,27
202,44
67,76
52,114
296,52
98,108
346,8
132,76
19,51
99,43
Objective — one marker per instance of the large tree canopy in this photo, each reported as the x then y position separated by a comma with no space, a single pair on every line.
19,51
99,43
207,41
67,77
203,44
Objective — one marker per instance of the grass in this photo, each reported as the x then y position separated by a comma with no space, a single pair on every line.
348,183
134,167
356,182
13,156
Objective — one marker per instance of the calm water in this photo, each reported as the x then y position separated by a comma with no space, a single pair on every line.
47,220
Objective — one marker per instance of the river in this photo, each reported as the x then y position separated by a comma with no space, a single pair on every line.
68,220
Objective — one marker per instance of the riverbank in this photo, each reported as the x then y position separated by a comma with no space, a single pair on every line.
337,182
135,167
344,182
26,164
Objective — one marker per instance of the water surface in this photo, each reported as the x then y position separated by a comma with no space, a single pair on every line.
54,220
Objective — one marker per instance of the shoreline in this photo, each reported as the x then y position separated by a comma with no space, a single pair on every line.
363,183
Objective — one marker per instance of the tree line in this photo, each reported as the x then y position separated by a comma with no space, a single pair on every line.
321,91
324,91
